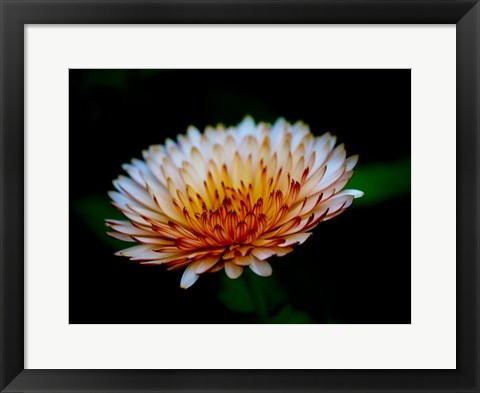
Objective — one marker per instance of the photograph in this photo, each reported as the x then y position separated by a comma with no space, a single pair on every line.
239,196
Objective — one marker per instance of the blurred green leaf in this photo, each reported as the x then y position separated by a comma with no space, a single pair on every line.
333,320
148,72
288,314
94,210
107,78
231,108
235,296
381,181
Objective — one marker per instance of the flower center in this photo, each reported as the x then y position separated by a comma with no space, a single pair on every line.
235,219
239,217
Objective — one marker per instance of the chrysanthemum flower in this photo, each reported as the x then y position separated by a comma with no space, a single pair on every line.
230,198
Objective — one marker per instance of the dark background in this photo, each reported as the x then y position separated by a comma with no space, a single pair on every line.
354,269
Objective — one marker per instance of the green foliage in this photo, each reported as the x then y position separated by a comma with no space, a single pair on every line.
288,314
107,78
94,210
118,79
231,108
381,181
235,295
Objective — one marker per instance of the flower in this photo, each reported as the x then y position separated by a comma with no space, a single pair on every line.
230,198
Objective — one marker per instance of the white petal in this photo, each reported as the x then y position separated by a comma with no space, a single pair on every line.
155,153
233,271
150,256
338,201
194,136
156,169
261,268
155,240
206,264
299,132
198,162
313,181
176,155
127,228
189,277
246,127
135,251
354,193
133,191
303,207
134,173
329,178
350,162
244,260
295,239
184,144
263,252
336,159
322,147
153,215
120,236
120,199
163,258
229,148
277,133
337,185
135,218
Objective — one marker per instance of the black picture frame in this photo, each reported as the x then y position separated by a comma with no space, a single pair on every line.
15,14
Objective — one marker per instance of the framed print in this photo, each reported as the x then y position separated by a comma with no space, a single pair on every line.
239,196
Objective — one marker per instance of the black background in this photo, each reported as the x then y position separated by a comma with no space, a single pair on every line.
355,269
